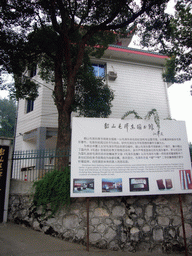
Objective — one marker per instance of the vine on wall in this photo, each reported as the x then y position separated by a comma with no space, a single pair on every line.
151,113
52,190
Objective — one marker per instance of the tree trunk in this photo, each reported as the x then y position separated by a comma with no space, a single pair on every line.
65,101
63,138
64,115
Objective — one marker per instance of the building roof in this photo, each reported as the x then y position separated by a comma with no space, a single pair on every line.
135,55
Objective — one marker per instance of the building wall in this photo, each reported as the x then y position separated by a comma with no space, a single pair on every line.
49,116
41,116
138,87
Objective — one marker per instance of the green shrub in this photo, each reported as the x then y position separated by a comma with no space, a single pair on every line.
52,191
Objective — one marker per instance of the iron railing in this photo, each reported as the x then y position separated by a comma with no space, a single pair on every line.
32,165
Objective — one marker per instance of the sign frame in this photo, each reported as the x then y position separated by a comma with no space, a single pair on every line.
114,157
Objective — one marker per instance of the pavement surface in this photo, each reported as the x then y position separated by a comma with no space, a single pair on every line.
17,240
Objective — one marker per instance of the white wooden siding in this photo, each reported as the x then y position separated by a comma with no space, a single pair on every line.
27,122
49,115
137,87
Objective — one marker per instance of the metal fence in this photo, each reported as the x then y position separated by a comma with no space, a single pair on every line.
32,165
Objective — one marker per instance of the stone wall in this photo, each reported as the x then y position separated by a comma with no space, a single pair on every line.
140,223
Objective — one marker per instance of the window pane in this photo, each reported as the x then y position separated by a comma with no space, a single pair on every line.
30,105
33,71
96,69
99,70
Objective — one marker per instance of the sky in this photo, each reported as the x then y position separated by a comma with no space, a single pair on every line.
180,101
180,98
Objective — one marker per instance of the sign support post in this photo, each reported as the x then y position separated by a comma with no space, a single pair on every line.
183,225
88,224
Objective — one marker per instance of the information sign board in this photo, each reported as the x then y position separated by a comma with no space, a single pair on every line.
114,157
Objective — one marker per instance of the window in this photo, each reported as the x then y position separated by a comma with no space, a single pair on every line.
33,70
99,69
30,106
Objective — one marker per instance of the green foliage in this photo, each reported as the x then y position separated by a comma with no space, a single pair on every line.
181,26
7,117
151,113
63,33
97,101
6,80
171,35
130,113
169,72
155,114
52,191
32,29
15,57
23,88
92,96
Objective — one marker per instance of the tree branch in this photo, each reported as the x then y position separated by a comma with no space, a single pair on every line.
86,13
53,17
104,26
64,15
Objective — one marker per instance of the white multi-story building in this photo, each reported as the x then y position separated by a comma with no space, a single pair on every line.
135,76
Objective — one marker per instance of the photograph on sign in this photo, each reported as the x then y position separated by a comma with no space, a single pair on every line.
114,157
83,186
185,179
112,185
139,184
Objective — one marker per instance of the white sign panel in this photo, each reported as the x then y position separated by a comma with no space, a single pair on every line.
114,157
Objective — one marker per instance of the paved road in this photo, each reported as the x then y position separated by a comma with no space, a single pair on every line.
16,240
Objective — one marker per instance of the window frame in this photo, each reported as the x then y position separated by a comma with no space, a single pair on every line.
29,106
100,66
32,71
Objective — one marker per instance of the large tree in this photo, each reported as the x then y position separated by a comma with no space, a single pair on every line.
71,31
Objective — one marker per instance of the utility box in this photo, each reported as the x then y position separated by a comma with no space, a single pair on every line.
112,75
